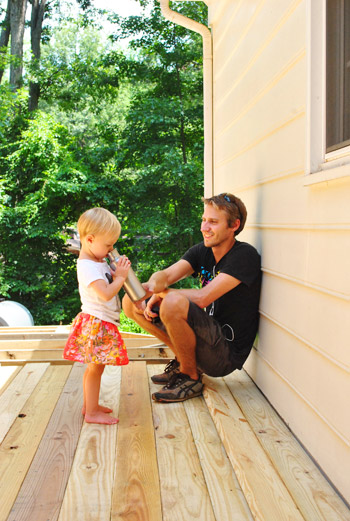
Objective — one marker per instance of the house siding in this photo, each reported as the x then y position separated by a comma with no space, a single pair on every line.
301,359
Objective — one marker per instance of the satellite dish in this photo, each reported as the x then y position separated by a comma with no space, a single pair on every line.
14,314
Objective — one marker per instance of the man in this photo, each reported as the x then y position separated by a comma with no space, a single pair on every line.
212,329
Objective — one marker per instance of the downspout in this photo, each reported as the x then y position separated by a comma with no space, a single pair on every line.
203,30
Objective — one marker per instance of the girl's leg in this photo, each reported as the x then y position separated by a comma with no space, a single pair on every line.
92,383
101,407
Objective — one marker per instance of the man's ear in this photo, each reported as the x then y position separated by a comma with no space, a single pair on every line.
236,225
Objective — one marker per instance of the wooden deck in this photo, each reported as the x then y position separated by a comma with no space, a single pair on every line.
224,457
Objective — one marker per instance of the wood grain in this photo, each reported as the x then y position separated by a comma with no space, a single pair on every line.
17,393
310,490
136,494
21,442
184,492
7,374
226,495
89,489
42,492
265,492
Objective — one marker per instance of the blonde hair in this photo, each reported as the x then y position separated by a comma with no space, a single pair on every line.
98,221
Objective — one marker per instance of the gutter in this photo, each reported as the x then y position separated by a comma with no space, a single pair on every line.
203,30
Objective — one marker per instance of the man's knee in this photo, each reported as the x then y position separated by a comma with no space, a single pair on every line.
174,306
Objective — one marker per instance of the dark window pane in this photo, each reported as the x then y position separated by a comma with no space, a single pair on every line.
337,74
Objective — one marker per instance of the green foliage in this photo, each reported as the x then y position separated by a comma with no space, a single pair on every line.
126,324
123,130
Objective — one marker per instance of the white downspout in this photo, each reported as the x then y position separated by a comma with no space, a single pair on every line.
203,30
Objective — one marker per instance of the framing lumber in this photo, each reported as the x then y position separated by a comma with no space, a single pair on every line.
18,356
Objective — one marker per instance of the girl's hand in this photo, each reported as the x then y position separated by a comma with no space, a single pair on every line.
148,313
123,266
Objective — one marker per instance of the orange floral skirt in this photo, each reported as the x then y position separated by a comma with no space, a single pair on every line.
94,341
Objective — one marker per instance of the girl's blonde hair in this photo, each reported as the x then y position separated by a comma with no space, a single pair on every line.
98,221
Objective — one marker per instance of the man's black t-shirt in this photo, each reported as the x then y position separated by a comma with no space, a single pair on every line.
237,310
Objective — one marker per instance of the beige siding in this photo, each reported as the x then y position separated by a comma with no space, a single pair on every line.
301,360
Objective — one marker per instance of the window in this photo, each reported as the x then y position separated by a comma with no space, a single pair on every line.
337,74
328,92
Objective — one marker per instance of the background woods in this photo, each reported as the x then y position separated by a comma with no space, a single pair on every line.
86,121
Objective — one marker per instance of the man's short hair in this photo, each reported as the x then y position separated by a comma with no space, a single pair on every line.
232,206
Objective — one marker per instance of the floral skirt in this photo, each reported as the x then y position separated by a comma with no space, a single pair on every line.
95,341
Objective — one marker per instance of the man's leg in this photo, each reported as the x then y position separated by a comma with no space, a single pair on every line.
173,314
136,314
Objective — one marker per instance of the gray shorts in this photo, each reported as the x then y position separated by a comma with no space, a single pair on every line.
214,353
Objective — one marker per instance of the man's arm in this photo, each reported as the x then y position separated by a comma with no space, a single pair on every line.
220,285
161,280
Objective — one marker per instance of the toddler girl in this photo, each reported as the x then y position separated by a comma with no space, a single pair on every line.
95,339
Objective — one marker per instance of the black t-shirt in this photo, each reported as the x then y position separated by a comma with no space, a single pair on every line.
237,310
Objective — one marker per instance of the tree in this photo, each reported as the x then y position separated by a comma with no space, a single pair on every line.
4,36
161,151
18,10
36,27
114,130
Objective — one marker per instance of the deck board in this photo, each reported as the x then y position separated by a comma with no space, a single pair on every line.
227,456
308,487
17,393
226,495
89,488
22,440
251,463
136,493
184,492
43,489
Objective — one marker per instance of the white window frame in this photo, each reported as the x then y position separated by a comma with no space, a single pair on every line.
320,166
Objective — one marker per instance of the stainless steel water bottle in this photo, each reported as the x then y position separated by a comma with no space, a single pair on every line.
132,285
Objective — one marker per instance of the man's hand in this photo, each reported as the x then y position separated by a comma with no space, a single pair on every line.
153,301
157,282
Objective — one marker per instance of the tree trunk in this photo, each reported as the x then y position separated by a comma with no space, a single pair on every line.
17,20
5,35
36,26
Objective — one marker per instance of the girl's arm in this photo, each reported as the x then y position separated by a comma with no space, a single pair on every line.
107,291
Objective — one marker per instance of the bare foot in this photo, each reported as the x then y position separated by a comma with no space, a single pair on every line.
101,408
100,417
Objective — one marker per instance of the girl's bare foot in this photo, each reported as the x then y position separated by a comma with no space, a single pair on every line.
100,417
101,408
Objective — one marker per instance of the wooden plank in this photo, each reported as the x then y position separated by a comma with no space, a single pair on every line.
41,494
7,374
136,493
59,343
33,335
265,492
6,329
183,489
226,495
21,442
312,493
89,489
30,355
17,393
53,331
